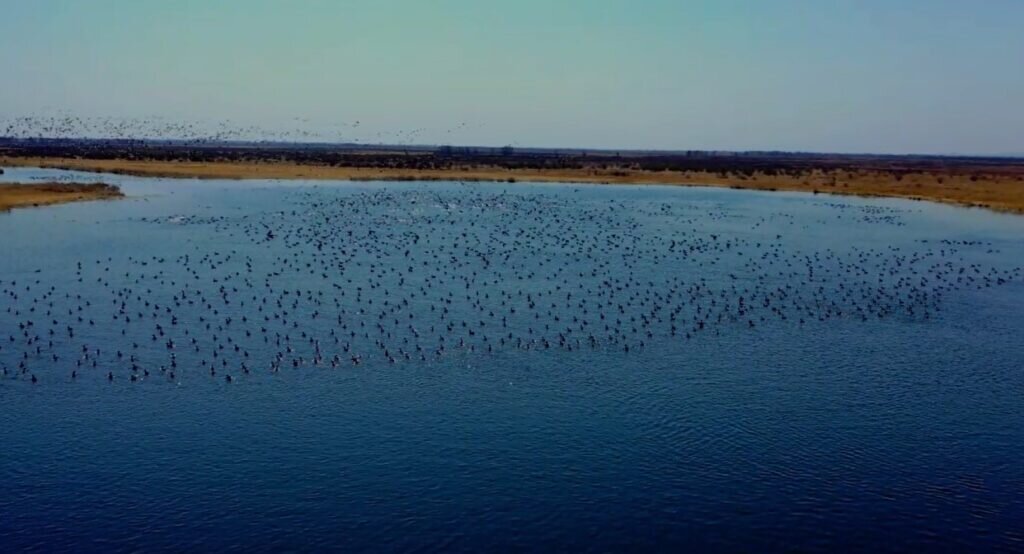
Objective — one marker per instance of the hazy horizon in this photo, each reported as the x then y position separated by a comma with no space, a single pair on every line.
857,77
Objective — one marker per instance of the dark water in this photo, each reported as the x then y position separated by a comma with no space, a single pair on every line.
508,367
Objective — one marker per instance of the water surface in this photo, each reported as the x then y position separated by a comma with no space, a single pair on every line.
509,366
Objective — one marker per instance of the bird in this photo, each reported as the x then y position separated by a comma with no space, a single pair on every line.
317,279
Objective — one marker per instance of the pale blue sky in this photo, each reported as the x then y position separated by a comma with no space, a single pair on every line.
930,76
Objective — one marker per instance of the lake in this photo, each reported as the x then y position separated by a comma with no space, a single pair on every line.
265,366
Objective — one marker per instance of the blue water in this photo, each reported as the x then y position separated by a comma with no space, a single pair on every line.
449,366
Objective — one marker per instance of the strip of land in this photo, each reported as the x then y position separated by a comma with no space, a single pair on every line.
22,195
992,183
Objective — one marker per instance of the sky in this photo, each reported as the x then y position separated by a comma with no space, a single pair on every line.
882,76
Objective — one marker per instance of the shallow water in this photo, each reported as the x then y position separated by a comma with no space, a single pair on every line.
865,393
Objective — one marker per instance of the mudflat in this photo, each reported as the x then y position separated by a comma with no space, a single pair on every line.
991,183
21,195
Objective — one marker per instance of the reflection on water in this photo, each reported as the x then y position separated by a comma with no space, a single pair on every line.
214,364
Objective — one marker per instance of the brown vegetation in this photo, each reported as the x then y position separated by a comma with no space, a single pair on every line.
995,183
20,195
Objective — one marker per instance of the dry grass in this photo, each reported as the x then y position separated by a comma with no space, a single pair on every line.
18,195
1001,192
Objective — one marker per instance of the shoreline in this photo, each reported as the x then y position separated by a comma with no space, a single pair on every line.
993,191
34,195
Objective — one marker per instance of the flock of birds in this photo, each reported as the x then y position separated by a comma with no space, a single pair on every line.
330,279
212,132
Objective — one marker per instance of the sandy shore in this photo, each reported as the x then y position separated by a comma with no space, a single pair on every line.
1001,192
19,195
